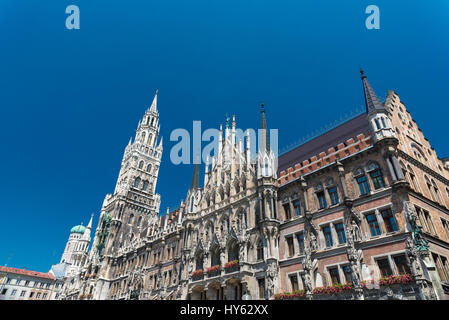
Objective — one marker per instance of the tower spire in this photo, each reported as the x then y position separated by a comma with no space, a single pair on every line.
264,129
372,102
154,103
90,221
196,174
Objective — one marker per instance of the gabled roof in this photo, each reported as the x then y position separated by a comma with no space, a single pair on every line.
322,143
27,272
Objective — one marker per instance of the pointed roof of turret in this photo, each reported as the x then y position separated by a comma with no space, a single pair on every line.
196,175
154,103
371,100
264,127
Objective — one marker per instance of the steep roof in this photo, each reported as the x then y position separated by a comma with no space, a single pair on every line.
372,102
332,138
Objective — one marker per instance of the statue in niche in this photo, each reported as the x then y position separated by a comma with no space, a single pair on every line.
313,242
356,234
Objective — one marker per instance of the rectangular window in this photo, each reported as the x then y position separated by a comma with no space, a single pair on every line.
291,248
4,291
300,238
363,185
44,296
384,267
373,224
378,179
297,206
340,229
390,222
13,293
347,273
401,264
333,194
261,283
328,236
440,265
31,294
294,283
38,295
22,294
333,272
287,211
321,200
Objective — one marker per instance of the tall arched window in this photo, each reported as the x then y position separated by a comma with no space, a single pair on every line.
139,221
149,168
413,182
436,191
136,182
430,188
141,164
130,220
145,185
144,134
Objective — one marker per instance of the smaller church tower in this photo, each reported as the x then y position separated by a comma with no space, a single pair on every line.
76,250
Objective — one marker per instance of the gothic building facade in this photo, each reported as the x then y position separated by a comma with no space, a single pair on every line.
359,212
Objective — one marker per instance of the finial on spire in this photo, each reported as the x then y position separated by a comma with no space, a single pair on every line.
264,128
227,121
154,103
362,73
372,102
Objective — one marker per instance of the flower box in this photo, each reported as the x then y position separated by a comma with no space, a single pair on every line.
333,289
214,270
295,295
232,266
197,274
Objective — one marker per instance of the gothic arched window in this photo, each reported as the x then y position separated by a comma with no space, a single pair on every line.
139,221
149,167
141,164
145,185
130,220
136,182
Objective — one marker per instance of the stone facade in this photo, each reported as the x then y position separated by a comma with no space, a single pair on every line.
360,212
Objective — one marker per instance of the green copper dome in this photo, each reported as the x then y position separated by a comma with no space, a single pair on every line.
78,229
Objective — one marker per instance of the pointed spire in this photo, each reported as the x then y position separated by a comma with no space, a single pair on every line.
90,221
264,128
154,104
371,100
160,143
196,174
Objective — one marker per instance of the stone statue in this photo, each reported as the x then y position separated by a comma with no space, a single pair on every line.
313,242
307,283
222,256
242,252
271,275
356,235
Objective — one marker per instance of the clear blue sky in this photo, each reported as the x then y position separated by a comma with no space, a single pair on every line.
71,99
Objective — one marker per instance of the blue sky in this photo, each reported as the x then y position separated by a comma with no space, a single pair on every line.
71,99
